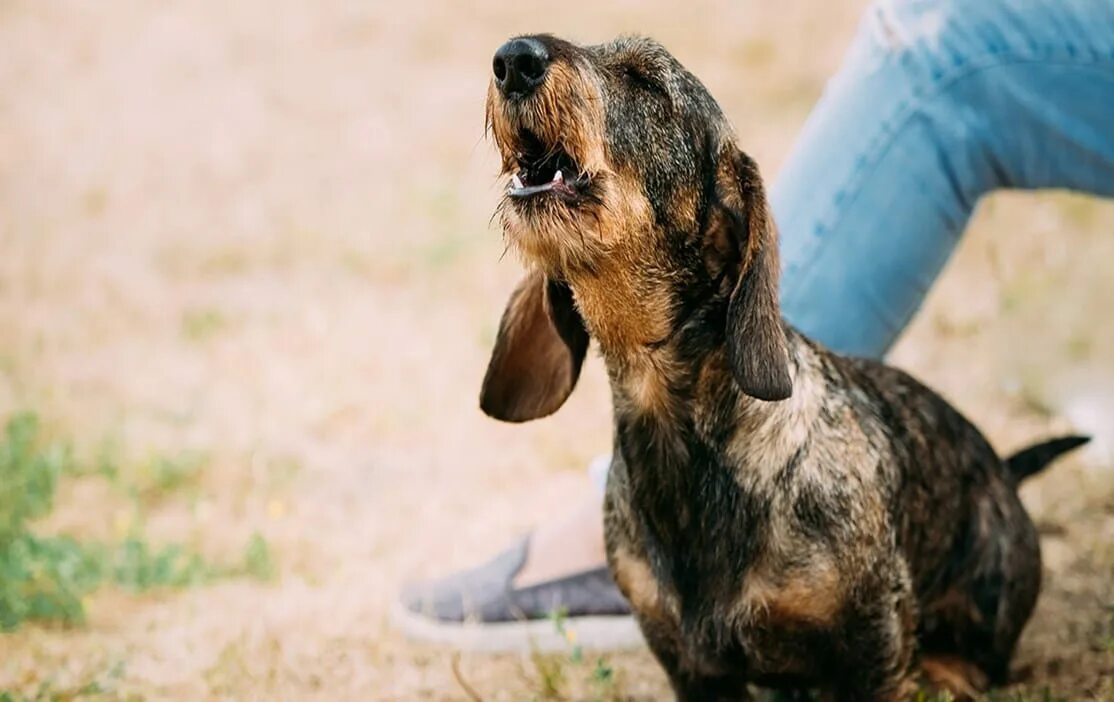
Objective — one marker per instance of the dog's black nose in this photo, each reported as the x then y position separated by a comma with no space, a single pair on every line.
519,67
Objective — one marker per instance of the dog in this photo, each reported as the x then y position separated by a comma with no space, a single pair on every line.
777,514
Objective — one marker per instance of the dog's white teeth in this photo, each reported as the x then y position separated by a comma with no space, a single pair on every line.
517,182
558,177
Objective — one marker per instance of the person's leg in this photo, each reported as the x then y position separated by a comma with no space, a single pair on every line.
571,543
937,102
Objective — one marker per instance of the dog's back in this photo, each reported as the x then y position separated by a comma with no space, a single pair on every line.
971,549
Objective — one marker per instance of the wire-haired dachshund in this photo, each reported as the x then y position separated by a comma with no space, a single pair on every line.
776,514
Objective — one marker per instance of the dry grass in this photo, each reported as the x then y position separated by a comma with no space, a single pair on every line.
258,231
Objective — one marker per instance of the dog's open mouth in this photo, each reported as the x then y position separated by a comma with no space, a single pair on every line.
545,170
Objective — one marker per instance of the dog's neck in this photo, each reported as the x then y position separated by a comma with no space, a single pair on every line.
670,370
625,312
678,389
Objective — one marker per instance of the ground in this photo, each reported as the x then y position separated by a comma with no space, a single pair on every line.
257,234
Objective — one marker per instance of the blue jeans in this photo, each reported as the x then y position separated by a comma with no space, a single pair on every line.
938,102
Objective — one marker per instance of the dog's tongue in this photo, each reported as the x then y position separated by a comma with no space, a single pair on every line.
528,190
520,189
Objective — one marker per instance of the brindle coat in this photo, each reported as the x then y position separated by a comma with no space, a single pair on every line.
776,514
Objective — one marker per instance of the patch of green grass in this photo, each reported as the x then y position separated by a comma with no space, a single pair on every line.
47,578
28,475
554,669
1080,345
86,685
161,475
137,566
203,324
147,481
39,578
604,680
551,678
259,563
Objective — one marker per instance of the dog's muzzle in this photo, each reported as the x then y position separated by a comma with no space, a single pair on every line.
545,170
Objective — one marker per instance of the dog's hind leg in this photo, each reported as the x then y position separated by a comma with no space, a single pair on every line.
963,679
971,630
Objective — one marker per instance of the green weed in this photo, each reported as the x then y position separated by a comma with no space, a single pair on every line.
160,476
258,561
202,324
83,685
554,670
47,578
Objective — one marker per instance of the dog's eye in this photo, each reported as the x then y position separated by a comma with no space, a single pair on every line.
640,80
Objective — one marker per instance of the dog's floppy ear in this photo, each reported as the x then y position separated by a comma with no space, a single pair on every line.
538,352
756,343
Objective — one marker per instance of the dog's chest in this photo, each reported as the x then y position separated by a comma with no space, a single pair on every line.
720,570
767,620
730,538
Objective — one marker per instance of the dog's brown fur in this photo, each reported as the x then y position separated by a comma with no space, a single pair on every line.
775,513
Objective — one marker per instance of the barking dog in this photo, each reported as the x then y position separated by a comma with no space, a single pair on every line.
775,513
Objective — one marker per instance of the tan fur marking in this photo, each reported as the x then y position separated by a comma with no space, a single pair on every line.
683,207
648,383
622,296
623,312
637,583
812,597
959,677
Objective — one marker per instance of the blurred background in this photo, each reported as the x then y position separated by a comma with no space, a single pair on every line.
248,286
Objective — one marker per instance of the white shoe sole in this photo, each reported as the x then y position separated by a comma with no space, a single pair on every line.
590,633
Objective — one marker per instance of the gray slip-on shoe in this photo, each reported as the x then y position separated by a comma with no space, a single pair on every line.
481,610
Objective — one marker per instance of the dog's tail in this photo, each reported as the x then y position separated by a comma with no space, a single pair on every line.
1034,459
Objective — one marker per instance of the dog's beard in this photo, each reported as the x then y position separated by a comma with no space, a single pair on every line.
553,236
